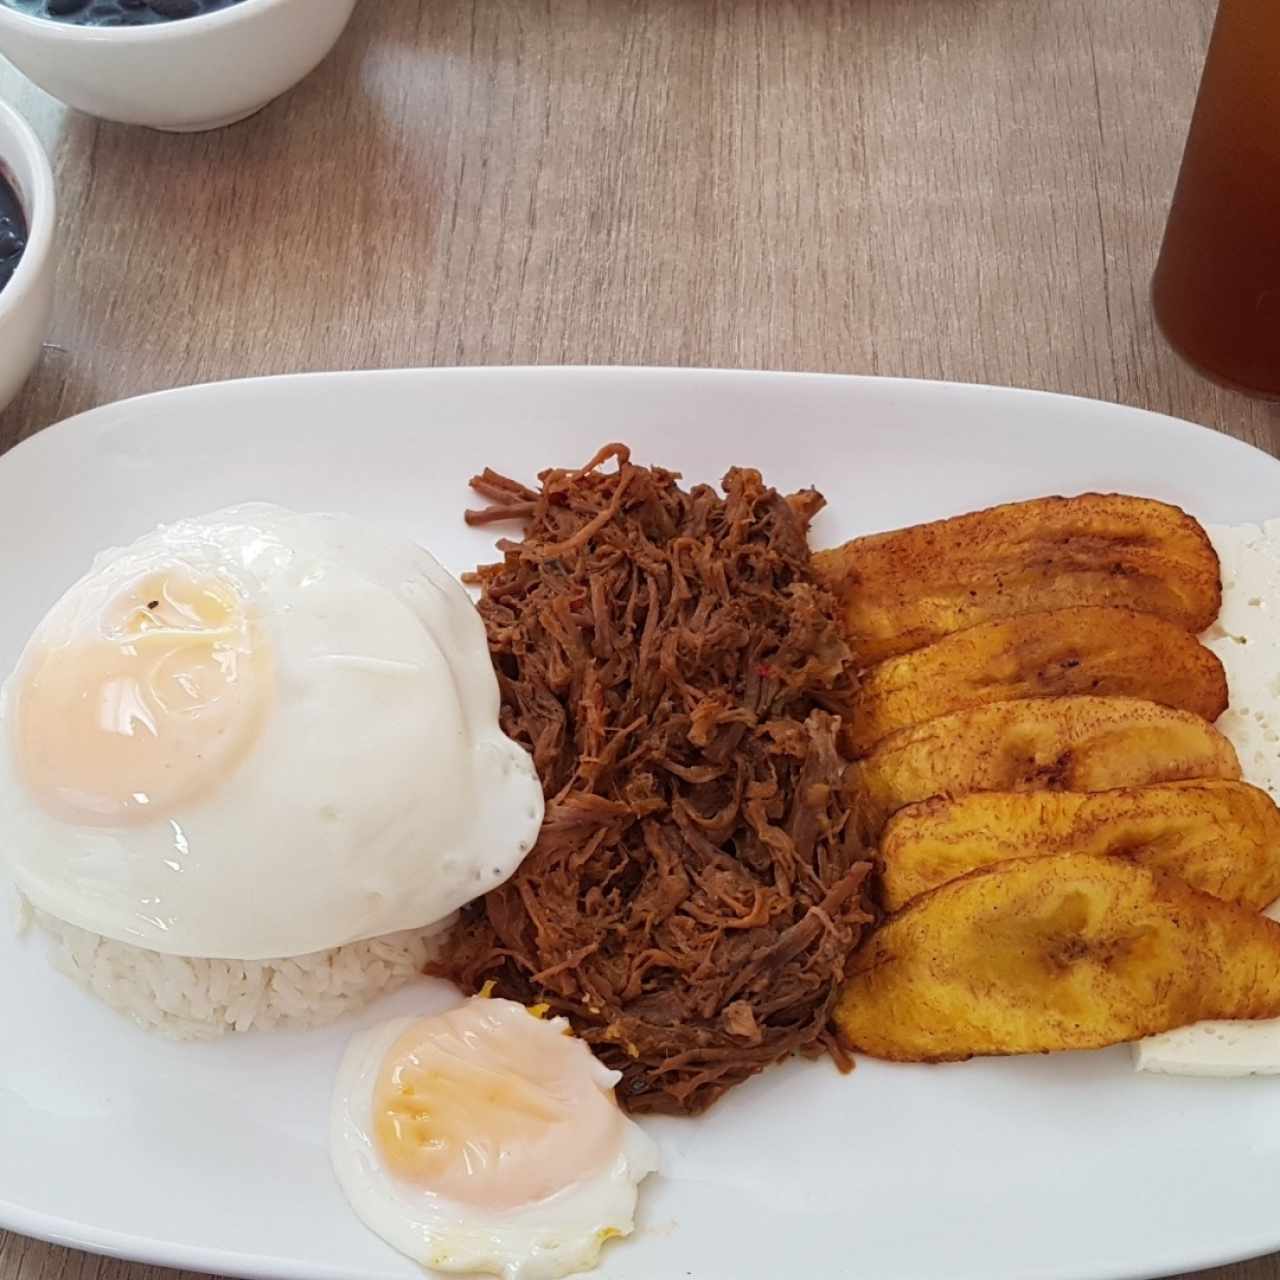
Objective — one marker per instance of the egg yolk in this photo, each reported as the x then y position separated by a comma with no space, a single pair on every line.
153,704
490,1107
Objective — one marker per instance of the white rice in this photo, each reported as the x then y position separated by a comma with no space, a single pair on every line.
190,999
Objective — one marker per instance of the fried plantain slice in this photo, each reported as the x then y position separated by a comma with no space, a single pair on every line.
1088,649
1220,837
901,590
1067,952
1037,744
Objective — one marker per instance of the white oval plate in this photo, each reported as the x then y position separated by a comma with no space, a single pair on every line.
214,1157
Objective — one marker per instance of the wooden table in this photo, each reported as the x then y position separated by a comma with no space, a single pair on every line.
967,189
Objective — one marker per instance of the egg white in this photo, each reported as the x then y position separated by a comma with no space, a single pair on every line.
380,794
555,1237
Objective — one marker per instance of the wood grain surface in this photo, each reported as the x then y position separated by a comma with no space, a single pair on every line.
967,189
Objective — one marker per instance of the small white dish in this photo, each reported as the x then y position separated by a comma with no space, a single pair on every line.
214,1157
185,76
26,301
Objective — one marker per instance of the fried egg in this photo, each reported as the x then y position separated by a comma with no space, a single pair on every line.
486,1139
260,734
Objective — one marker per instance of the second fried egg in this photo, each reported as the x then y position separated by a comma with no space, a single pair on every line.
486,1139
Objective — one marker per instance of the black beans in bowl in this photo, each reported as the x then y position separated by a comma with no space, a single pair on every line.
118,13
13,231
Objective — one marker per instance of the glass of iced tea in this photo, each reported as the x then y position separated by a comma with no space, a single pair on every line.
1217,284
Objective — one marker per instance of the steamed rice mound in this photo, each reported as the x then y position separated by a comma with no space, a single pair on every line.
191,999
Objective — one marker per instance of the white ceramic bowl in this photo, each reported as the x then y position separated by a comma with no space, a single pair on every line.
25,302
185,75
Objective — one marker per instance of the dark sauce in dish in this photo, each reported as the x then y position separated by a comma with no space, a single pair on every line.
117,13
13,231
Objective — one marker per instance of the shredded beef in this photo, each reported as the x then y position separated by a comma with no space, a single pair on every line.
673,668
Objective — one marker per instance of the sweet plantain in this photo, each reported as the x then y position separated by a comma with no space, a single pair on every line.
1088,649
1037,744
1220,837
1065,952
899,591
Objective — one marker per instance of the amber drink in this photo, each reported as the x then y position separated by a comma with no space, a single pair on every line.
1217,283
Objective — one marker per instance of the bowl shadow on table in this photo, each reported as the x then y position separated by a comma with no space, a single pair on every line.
55,380
260,248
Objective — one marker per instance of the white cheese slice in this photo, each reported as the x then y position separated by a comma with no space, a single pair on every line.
1247,639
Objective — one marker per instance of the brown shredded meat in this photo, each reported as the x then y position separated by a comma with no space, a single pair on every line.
697,886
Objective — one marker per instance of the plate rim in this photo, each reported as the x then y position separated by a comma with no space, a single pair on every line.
690,372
